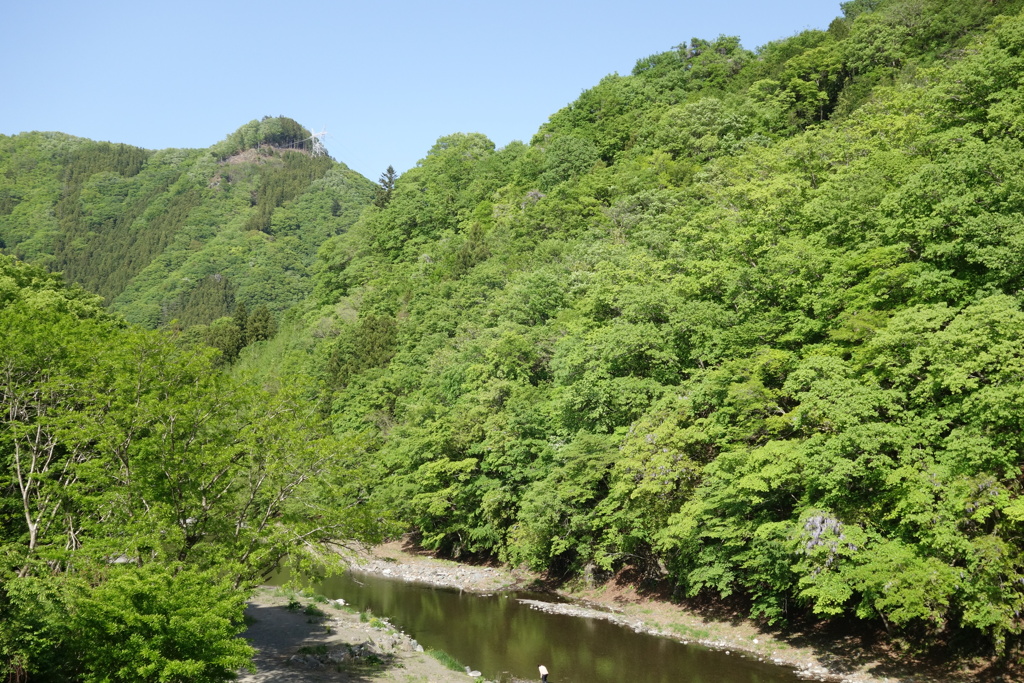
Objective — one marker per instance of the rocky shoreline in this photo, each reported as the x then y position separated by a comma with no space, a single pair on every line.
822,661
805,670
415,569
394,562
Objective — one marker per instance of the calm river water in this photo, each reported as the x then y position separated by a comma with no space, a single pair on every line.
503,638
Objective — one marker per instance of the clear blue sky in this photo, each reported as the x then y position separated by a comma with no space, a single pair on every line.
385,79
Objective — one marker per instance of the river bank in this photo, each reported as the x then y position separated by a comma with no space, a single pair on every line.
300,637
815,654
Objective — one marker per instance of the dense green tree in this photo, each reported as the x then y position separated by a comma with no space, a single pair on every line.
279,131
143,493
156,624
386,185
226,336
260,325
212,298
147,229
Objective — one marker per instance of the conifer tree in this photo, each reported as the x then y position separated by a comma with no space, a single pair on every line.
242,322
387,186
260,325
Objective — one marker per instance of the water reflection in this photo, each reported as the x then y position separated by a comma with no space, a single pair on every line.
502,637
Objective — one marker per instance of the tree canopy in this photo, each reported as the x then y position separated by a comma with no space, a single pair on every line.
143,493
749,317
748,321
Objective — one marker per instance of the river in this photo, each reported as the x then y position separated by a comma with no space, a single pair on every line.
504,638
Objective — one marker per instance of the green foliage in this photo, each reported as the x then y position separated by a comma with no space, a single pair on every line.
155,624
212,298
279,131
148,230
386,187
566,157
368,344
226,336
143,493
750,317
748,320
558,520
106,193
34,628
150,623
283,183
698,65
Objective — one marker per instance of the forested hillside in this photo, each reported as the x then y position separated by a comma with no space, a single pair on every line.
746,321
144,493
751,319
178,236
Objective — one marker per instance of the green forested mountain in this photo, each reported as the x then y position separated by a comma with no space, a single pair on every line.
177,234
749,321
143,492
